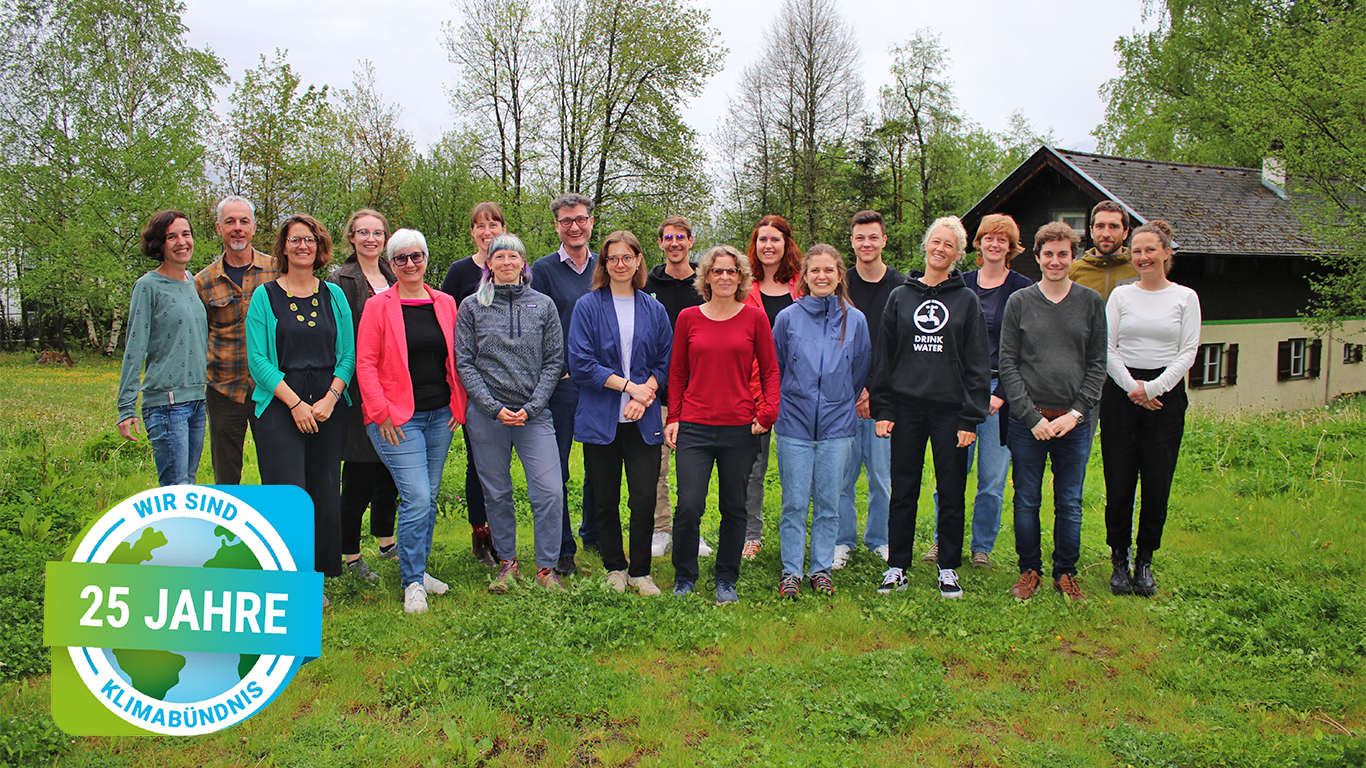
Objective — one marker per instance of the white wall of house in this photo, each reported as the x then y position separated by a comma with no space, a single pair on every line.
1257,387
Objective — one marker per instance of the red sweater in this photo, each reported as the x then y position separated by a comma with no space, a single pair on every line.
710,370
382,359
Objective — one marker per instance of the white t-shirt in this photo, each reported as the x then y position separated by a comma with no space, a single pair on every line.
626,322
1152,329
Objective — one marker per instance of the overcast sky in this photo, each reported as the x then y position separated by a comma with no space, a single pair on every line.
1046,58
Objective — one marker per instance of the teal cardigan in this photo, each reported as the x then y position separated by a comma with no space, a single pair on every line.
263,360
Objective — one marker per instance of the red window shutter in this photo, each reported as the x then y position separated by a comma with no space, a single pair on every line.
1231,365
1315,358
1282,361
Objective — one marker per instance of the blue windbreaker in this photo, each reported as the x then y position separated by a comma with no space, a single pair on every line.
821,378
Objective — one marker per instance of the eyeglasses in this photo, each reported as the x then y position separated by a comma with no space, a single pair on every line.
295,240
578,221
674,238
724,271
368,232
402,259
614,260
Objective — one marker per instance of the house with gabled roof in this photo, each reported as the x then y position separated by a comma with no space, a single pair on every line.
1240,245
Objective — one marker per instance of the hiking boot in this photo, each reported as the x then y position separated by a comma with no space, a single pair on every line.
1121,583
482,544
414,598
725,593
433,585
841,557
948,584
790,586
751,549
821,583
1026,586
362,570
1067,586
892,579
506,578
644,585
549,579
981,560
931,556
617,580
659,543
1143,583
684,587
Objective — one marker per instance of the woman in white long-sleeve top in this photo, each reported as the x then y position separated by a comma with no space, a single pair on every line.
1154,334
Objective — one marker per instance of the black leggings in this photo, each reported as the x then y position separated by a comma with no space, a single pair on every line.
1134,442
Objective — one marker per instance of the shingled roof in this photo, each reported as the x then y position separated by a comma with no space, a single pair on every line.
1214,209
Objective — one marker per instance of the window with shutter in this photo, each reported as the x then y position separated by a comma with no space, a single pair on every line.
1231,365
1315,363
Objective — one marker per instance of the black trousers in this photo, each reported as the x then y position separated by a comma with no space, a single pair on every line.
603,465
916,422
731,449
1136,442
312,462
474,492
228,421
366,484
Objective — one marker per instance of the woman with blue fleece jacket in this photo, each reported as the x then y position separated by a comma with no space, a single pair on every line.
823,358
620,341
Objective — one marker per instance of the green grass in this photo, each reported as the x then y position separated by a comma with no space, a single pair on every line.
1252,653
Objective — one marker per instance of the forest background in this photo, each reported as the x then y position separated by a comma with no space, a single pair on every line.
107,113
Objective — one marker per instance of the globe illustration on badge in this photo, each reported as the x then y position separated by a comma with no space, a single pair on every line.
182,677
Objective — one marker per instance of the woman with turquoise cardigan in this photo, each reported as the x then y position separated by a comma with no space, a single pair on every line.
301,351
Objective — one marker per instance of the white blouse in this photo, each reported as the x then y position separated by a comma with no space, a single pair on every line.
1152,329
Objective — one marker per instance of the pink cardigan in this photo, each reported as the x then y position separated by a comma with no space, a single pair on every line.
382,359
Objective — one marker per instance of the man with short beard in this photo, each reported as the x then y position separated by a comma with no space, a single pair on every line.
1108,264
225,287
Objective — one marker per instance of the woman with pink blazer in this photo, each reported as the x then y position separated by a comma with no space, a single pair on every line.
412,401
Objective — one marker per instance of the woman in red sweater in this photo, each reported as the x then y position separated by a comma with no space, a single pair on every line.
405,365
713,417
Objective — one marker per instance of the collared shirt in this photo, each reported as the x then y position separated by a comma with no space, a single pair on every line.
587,260
226,304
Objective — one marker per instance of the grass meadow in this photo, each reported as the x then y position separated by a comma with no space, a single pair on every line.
1251,654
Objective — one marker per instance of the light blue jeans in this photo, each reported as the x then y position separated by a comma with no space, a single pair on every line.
875,453
416,464
176,433
811,472
540,455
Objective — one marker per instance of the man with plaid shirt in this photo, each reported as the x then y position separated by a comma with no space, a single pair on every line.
225,287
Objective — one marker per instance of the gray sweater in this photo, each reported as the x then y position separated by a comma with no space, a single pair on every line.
1052,355
168,330
509,354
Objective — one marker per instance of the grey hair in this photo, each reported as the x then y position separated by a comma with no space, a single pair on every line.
569,199
235,199
403,239
955,226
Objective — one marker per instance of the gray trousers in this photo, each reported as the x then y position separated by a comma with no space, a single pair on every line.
754,493
540,456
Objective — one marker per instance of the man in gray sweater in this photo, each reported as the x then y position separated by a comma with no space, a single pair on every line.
1052,365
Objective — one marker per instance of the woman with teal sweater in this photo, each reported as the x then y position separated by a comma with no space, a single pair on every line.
301,351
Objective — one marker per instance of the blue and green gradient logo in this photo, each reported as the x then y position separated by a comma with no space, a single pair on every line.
183,610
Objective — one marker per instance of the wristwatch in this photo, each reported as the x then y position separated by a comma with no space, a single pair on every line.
1076,414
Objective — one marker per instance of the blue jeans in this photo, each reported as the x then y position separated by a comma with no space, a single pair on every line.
564,401
535,442
176,433
992,466
416,464
876,454
1069,455
811,473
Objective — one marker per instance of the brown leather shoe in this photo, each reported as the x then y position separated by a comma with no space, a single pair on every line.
1027,585
1067,585
483,546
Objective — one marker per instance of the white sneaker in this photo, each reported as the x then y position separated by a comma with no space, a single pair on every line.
617,580
660,542
644,585
433,585
884,552
414,598
841,557
702,549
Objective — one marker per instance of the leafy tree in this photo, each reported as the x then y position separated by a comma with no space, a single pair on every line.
101,103
382,153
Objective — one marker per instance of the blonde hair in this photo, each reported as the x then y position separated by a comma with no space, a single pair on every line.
704,271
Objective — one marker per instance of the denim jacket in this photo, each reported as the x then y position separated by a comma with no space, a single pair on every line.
821,377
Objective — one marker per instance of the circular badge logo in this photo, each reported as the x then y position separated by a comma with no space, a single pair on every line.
931,316
185,692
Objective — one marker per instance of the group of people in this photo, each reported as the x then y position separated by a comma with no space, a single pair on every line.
353,388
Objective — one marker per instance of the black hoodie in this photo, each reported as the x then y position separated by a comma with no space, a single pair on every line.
932,347
676,295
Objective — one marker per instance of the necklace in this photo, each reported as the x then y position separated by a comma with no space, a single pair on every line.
294,307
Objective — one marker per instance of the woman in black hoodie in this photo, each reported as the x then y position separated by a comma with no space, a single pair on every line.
931,381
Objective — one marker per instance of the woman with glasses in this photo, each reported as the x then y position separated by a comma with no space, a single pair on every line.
168,334
713,417
510,351
301,353
619,345
405,365
462,280
365,480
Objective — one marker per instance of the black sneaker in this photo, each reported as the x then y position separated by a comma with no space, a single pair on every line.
790,586
892,579
821,583
566,566
948,583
